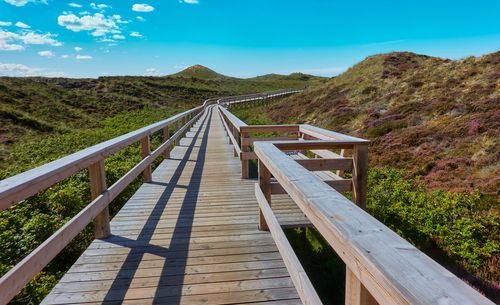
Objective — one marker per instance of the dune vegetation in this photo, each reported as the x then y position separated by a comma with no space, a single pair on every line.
434,178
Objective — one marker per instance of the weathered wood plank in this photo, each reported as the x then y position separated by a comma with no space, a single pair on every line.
391,269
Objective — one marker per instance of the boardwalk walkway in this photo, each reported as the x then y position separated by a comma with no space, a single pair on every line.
189,237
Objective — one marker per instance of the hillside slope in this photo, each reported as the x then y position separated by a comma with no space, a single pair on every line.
436,118
33,107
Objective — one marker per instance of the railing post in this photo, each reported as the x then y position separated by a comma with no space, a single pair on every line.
177,140
236,137
359,174
145,151
265,186
244,163
97,177
355,292
166,137
343,153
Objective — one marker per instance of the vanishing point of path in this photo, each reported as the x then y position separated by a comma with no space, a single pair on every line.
189,237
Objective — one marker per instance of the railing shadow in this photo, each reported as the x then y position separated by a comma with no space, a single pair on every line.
172,274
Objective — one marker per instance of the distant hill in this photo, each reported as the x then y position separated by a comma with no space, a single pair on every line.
33,107
200,72
437,118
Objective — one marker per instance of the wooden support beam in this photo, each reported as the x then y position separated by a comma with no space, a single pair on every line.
166,136
145,151
178,139
265,187
340,186
249,141
326,164
360,174
244,163
355,292
97,178
301,281
236,136
343,153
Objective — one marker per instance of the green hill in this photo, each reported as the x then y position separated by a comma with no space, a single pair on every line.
436,118
34,107
200,72
434,176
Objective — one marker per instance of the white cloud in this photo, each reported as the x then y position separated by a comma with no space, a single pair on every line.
65,56
34,38
118,37
24,2
99,6
9,41
135,34
48,54
98,24
141,18
142,7
22,70
152,72
74,4
191,1
22,25
17,70
84,13
3,23
83,57
78,49
4,46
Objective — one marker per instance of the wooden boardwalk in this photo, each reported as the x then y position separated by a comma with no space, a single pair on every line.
188,237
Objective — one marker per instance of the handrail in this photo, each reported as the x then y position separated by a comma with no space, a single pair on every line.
21,186
26,184
380,264
229,100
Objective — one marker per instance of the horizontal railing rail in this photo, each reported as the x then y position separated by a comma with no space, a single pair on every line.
239,100
381,267
291,138
24,185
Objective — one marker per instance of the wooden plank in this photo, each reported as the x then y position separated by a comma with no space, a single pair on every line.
232,139
145,152
324,134
166,136
355,292
248,155
326,164
97,180
270,128
249,141
360,175
265,188
206,233
299,277
344,185
313,144
391,269
236,122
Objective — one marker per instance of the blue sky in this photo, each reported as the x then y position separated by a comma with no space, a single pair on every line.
242,38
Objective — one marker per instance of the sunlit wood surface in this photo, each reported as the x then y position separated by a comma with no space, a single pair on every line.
188,237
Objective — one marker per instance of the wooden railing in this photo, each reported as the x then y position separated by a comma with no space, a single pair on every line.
381,267
26,184
240,136
251,100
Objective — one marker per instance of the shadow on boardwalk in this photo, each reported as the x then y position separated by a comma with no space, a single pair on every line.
172,275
